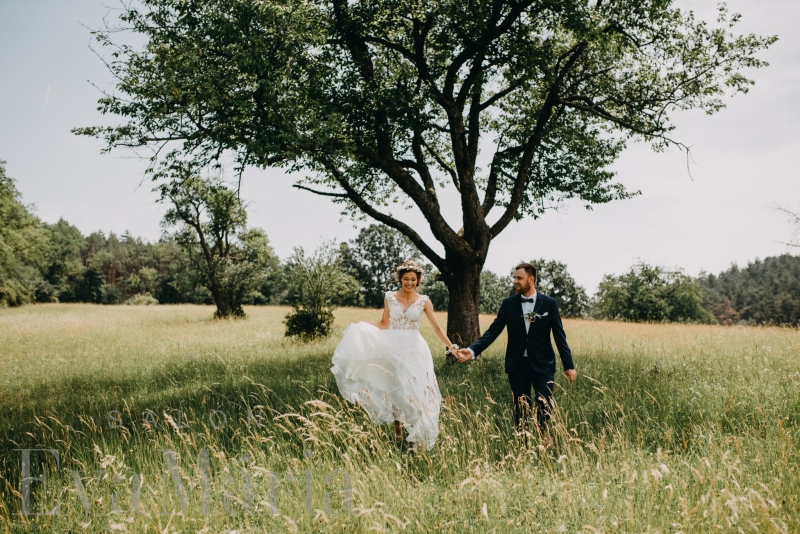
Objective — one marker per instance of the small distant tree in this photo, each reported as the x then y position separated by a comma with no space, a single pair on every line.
649,293
435,288
494,289
317,284
372,257
64,264
211,225
554,280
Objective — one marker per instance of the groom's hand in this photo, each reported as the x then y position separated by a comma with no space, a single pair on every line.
463,355
571,375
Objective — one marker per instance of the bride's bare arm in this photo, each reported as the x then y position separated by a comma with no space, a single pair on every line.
436,328
383,324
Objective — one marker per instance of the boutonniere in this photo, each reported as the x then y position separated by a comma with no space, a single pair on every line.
532,315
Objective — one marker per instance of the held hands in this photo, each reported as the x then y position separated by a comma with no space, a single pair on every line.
462,355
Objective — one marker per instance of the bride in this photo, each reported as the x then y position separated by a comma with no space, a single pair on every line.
386,366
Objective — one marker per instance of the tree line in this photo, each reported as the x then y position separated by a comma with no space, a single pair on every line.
208,255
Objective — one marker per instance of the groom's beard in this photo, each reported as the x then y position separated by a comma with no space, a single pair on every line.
522,290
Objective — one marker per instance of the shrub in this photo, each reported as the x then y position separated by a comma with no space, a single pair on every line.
317,282
111,294
307,325
13,293
142,299
649,293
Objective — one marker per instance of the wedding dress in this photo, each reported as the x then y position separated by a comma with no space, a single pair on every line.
390,372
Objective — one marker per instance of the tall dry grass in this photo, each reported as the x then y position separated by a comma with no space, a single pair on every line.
669,428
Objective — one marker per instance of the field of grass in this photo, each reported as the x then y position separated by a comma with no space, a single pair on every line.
669,428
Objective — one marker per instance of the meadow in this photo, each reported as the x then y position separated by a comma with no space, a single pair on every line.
167,421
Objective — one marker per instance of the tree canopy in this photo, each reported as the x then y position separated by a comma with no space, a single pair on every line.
211,223
554,280
393,102
371,259
763,292
650,293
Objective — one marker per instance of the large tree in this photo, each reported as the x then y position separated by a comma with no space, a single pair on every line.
382,102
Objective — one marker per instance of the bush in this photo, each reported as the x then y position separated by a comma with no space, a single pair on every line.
13,293
307,325
111,294
649,293
317,283
142,299
45,292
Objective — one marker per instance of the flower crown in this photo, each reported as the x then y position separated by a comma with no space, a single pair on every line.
408,265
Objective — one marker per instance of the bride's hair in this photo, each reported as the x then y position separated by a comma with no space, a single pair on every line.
409,266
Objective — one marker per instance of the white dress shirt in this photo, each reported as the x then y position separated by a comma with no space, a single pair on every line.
526,307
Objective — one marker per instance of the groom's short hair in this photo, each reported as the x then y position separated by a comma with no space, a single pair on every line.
529,268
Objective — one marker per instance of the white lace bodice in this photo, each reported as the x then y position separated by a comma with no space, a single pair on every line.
405,320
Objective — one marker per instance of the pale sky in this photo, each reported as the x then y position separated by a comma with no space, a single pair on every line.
746,161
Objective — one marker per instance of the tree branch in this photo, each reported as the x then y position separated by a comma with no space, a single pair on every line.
499,95
518,192
422,165
388,220
495,31
594,109
321,193
445,167
494,172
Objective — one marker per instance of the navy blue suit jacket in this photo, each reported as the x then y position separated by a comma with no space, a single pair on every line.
537,339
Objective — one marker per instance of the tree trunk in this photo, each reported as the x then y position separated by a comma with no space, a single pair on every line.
463,283
223,310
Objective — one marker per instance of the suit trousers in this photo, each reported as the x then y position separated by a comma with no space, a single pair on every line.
523,379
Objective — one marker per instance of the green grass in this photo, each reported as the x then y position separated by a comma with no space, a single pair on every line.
669,428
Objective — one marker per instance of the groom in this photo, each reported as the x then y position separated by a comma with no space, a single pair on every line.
530,361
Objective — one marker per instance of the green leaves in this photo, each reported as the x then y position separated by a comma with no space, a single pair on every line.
391,104
210,221
649,293
353,88
24,246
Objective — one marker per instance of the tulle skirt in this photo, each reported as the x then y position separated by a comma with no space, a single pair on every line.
390,373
